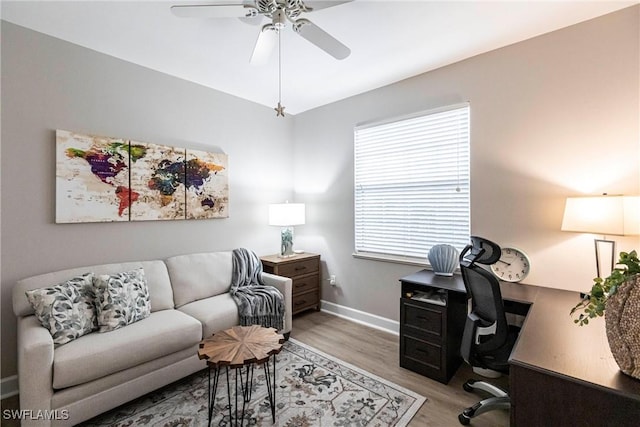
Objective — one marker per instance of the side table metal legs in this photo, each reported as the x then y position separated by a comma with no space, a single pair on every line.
211,398
271,386
243,386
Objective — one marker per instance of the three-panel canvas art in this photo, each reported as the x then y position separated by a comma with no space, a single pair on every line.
103,179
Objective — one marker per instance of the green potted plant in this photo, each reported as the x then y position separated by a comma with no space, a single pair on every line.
594,304
617,297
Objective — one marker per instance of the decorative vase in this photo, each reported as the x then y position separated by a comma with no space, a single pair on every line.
622,322
443,259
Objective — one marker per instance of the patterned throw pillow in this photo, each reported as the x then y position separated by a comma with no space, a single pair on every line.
66,309
121,299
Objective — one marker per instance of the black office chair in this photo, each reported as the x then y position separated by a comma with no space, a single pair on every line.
487,339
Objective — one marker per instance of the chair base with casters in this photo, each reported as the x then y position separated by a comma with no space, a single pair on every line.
499,400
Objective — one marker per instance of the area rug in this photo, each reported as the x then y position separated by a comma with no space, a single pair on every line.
312,389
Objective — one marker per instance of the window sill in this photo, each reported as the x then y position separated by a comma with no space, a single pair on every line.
392,258
397,260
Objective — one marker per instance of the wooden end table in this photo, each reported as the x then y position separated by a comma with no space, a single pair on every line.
237,348
304,271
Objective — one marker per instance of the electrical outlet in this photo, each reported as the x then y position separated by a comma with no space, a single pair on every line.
332,280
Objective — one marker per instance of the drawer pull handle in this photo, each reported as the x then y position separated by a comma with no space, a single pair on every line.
301,302
300,268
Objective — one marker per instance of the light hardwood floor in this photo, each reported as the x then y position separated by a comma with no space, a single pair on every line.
377,352
9,403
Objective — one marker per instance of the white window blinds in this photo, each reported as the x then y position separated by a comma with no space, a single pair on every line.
412,183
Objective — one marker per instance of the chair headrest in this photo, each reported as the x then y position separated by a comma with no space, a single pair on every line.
481,251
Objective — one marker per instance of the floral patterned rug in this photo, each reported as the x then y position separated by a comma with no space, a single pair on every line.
312,389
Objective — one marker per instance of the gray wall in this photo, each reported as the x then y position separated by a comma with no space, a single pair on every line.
551,117
49,84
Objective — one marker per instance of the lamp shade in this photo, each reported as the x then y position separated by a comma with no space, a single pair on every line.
613,215
286,214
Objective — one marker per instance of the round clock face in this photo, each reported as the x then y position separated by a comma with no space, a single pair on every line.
513,265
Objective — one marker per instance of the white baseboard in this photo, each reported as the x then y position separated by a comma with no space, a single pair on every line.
362,317
8,386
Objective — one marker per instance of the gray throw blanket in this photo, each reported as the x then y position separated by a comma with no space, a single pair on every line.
258,304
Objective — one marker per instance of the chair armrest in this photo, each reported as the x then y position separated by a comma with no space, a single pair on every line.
35,367
469,338
284,285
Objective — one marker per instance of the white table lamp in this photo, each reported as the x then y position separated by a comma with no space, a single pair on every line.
286,215
606,215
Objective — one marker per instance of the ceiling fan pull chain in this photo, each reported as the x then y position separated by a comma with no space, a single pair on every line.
279,66
279,108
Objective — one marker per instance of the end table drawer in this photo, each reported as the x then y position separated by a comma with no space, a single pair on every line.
304,284
299,268
303,301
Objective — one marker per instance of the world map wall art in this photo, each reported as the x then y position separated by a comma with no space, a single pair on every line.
102,179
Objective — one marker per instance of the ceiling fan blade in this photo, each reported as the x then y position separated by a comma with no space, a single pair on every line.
220,10
325,41
267,40
323,4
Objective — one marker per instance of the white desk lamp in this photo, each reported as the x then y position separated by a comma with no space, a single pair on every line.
286,215
606,215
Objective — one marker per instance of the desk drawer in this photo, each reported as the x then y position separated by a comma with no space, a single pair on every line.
423,319
423,352
299,268
422,357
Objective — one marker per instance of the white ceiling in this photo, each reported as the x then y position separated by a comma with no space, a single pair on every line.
389,41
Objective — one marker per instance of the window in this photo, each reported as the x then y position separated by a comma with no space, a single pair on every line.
412,184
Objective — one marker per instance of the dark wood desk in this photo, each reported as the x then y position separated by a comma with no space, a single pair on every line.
561,374
430,333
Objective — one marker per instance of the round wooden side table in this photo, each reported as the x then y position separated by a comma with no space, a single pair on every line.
241,348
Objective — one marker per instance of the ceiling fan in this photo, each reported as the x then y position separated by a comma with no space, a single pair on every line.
279,12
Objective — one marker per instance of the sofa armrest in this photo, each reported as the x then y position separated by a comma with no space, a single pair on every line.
35,367
284,285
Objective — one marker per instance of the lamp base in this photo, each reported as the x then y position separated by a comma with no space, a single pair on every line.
605,257
286,242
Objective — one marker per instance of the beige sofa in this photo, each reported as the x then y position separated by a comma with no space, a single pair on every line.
190,299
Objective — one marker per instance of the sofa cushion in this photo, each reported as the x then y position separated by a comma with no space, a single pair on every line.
160,291
215,313
121,299
96,355
198,276
66,309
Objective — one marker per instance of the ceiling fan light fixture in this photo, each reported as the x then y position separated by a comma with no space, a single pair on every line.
279,19
278,12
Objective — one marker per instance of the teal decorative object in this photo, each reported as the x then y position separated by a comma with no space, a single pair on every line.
286,241
443,259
